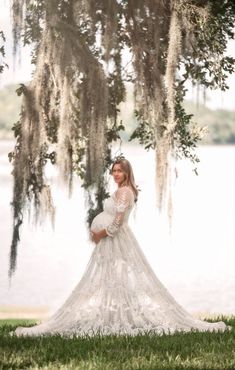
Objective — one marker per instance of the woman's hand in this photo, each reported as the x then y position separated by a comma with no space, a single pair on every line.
96,236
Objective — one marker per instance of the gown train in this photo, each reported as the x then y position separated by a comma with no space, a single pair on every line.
119,292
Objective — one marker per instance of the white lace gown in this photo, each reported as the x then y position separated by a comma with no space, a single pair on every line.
119,292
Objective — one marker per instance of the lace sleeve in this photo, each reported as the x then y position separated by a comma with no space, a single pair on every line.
122,202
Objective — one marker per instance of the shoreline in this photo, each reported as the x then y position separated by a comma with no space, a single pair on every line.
23,312
43,312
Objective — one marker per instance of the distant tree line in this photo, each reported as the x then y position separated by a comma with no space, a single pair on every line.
221,123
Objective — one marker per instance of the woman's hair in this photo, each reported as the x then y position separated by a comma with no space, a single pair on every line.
129,175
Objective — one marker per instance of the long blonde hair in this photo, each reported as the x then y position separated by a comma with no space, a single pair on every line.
129,175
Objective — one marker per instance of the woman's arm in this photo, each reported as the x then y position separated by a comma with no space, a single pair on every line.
122,201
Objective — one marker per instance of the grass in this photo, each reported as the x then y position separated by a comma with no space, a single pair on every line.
180,351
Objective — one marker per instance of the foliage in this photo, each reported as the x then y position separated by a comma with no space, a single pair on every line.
143,132
2,52
193,350
207,65
184,137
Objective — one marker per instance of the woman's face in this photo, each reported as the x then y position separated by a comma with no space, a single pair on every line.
118,174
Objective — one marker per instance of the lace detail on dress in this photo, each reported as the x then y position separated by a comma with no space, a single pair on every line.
123,200
119,292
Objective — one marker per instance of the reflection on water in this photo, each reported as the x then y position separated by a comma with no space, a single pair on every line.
195,263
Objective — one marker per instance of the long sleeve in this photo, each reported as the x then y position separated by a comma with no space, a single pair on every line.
122,201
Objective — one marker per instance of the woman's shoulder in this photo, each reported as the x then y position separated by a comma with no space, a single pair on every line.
125,191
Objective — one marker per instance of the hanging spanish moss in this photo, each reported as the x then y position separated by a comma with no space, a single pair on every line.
70,109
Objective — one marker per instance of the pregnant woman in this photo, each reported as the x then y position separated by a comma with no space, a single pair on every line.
119,292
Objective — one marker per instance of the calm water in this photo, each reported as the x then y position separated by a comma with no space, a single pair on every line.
196,263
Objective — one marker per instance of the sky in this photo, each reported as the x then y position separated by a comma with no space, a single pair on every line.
22,70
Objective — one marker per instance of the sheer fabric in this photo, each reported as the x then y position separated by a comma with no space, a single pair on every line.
123,201
119,292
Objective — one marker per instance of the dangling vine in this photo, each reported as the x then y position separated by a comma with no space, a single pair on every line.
70,110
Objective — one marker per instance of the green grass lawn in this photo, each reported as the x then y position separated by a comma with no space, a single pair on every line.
179,351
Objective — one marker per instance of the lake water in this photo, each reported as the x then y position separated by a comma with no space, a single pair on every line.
195,263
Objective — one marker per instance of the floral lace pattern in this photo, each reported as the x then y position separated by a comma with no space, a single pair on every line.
123,202
119,292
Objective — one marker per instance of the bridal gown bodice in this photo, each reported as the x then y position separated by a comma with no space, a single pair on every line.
116,212
119,292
